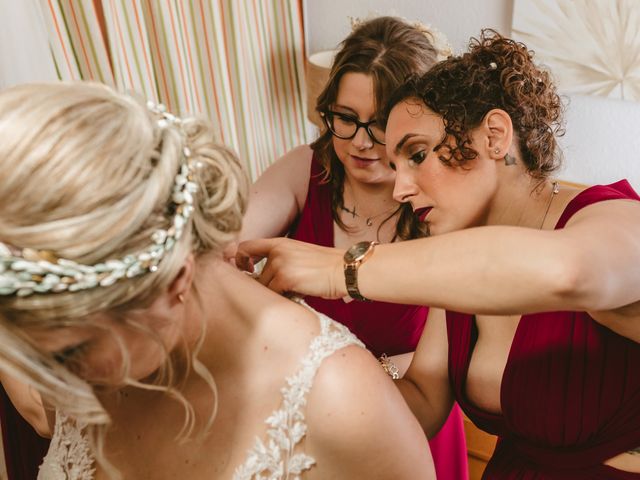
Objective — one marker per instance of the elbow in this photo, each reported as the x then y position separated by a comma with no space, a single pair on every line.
431,419
38,421
575,284
42,429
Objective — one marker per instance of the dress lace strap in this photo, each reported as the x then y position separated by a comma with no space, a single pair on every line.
275,458
69,456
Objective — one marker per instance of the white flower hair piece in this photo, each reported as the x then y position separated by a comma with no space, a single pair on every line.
27,271
438,40
436,37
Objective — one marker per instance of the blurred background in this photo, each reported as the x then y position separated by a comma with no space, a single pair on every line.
242,63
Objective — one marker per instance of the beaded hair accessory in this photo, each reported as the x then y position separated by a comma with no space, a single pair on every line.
27,271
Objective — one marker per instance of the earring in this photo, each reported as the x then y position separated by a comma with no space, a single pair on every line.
181,298
496,151
509,160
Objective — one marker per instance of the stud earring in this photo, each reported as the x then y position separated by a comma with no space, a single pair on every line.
496,151
181,298
509,160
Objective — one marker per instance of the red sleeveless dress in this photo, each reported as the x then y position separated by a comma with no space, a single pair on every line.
383,327
570,392
24,449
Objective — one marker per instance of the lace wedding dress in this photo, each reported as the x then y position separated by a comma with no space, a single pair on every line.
272,458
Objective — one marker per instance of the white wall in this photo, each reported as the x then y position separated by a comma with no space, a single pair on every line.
327,20
31,60
602,143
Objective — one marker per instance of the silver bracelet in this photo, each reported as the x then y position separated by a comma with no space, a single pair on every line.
389,367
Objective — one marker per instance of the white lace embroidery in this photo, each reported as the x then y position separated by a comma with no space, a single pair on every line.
69,456
276,459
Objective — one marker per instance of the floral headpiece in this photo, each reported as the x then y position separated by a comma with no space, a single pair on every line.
27,271
435,36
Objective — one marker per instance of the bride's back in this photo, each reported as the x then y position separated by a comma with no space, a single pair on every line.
115,303
299,396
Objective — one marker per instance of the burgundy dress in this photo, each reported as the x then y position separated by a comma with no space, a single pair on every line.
383,327
570,393
24,449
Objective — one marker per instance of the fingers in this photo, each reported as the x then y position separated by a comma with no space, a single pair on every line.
294,266
271,276
250,252
267,273
260,247
244,261
229,253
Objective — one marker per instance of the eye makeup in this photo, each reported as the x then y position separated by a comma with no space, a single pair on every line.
71,352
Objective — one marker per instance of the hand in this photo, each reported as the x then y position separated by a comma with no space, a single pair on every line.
229,252
296,267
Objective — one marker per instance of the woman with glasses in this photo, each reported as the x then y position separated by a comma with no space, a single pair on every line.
338,191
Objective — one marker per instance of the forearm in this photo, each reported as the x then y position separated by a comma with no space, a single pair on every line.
278,196
431,417
490,270
402,362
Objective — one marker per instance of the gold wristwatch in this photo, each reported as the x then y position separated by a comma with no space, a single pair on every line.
353,258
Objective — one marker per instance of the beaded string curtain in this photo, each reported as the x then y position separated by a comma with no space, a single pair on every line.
238,62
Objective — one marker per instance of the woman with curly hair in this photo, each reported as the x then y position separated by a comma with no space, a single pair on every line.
534,326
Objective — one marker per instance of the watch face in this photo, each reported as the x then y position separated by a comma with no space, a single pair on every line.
357,251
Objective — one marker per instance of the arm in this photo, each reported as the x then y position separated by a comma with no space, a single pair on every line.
497,270
278,196
359,426
510,270
425,386
28,403
402,362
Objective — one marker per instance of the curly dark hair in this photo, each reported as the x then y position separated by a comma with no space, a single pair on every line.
389,50
496,72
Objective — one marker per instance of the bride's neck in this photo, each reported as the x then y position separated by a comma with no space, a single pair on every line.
229,303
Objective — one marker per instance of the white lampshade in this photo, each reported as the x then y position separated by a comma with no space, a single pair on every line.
317,74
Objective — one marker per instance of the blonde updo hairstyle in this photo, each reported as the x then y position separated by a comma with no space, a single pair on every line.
87,173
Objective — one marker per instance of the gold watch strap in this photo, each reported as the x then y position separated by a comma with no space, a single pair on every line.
351,280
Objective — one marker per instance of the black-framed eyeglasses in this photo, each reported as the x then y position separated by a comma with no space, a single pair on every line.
346,126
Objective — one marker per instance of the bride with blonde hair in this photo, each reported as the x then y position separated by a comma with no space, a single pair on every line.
117,306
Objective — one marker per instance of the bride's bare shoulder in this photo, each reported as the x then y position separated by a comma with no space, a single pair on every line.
357,418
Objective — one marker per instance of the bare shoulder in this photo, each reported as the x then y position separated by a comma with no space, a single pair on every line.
294,167
605,280
288,321
289,173
278,195
358,424
299,156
